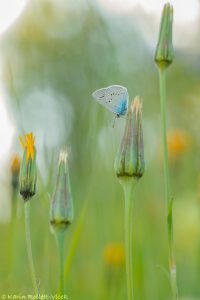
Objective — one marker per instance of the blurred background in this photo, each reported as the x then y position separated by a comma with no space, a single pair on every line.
53,55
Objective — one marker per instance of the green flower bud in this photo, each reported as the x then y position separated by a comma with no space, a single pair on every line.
164,51
28,169
130,158
61,210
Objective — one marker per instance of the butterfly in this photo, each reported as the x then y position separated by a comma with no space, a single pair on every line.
114,98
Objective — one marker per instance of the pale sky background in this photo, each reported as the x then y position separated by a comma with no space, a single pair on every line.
185,11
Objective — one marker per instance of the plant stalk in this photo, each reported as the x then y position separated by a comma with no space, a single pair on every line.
128,185
60,237
29,246
168,196
12,232
75,239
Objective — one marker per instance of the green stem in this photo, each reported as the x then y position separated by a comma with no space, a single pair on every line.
60,237
128,185
75,239
29,247
168,196
12,232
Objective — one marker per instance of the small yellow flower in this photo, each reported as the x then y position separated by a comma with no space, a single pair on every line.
114,254
28,169
28,144
178,142
15,164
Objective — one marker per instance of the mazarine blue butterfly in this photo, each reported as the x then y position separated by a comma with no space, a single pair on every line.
114,98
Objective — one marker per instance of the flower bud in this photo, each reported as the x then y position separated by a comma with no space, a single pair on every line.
15,166
61,210
28,170
130,158
164,51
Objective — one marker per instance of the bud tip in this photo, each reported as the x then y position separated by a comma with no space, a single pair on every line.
136,105
63,156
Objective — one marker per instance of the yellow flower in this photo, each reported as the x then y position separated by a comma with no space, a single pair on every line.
114,254
15,164
28,169
28,144
178,141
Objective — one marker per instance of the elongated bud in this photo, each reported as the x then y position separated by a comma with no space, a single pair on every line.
28,169
61,210
164,51
130,158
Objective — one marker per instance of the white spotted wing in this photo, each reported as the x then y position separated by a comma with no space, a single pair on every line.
111,96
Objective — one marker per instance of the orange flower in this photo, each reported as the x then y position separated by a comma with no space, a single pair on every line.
28,145
178,142
15,164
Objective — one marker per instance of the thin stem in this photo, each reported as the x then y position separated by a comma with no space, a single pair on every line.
28,244
128,187
60,237
12,231
168,196
75,239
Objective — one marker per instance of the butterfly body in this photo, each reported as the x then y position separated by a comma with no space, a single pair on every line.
114,98
121,109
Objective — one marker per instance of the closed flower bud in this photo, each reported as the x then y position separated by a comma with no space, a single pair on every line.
130,158
164,51
28,171
15,166
61,210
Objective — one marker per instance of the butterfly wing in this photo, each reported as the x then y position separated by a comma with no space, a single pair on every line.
118,96
100,97
111,96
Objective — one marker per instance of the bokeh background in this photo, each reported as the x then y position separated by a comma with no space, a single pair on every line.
53,55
